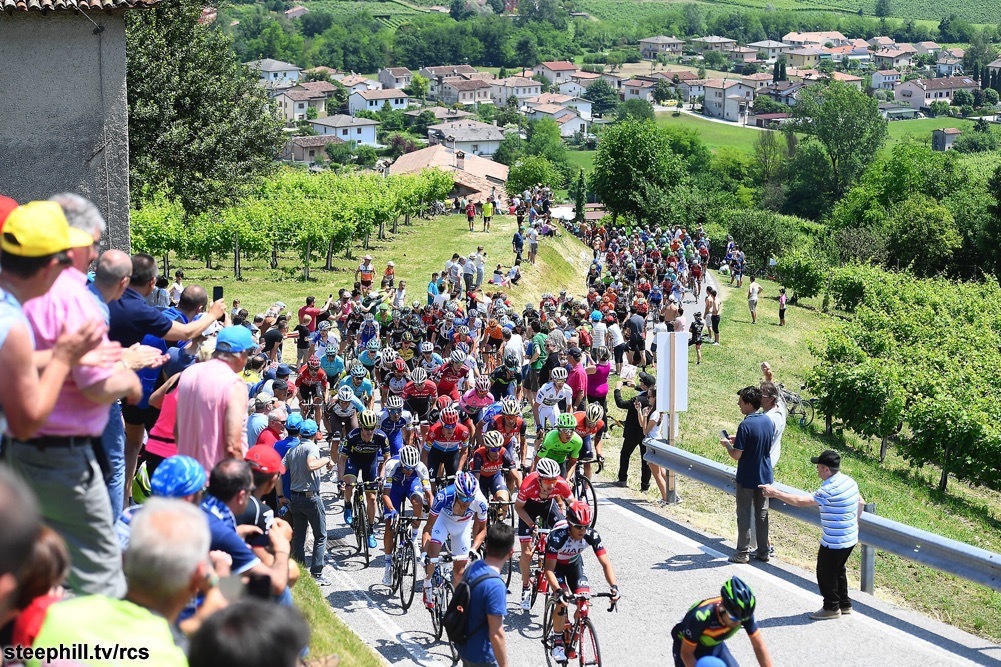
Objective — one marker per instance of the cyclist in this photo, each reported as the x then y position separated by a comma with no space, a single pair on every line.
542,495
451,374
371,356
550,397
311,384
364,452
506,378
489,462
321,340
395,380
429,360
396,423
408,349
369,330
446,444
510,425
709,623
565,567
406,477
419,394
384,368
475,401
562,445
590,428
360,385
342,414
332,364
450,515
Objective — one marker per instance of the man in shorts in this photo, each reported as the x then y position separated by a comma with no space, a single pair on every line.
452,516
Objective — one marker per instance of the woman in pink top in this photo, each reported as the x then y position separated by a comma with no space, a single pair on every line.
597,370
160,444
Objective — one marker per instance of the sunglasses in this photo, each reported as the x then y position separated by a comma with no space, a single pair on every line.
368,428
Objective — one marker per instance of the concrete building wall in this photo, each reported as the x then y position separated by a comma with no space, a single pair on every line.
65,113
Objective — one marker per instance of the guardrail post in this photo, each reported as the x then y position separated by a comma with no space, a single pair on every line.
868,574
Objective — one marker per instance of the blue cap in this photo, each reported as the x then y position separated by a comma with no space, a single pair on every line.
234,339
177,476
269,374
595,316
308,428
283,371
294,422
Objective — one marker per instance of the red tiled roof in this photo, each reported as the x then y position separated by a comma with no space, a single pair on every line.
559,65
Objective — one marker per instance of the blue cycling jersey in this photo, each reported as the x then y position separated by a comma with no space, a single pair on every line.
361,390
391,426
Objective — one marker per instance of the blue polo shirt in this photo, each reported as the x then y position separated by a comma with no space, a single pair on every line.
754,438
222,528
131,318
489,598
149,376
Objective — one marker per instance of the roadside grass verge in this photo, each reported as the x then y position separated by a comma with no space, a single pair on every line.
329,635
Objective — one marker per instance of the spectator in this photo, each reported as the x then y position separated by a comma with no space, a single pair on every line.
517,243
365,274
178,478
480,262
532,235
276,427
400,295
616,341
301,333
488,213
303,496
313,312
772,407
469,271
635,328
266,468
598,369
577,379
177,287
840,505
167,563
470,213
273,338
251,633
258,421
433,288
41,585
750,448
632,431
280,389
212,403
514,273
231,485
22,525
486,644
159,298
782,306
754,290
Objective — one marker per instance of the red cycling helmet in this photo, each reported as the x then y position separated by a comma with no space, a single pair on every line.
399,366
579,514
443,402
450,416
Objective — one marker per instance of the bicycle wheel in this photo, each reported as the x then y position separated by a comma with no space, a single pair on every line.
808,413
361,516
547,630
587,649
436,613
359,534
408,575
584,490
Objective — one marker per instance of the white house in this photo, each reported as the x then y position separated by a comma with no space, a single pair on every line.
470,136
726,99
296,12
949,67
295,103
637,89
892,58
994,66
578,83
275,71
521,87
347,128
555,71
579,104
920,93
692,89
437,75
355,83
712,43
885,79
925,48
374,100
395,77
757,81
465,91
769,50
832,37
651,47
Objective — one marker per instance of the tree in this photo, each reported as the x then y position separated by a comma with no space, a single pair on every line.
635,110
782,70
544,138
883,9
923,235
579,193
847,123
201,129
938,108
419,125
603,97
962,98
804,270
527,172
510,150
991,97
419,87
634,157
662,91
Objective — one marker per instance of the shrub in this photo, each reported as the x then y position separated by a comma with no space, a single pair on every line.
803,270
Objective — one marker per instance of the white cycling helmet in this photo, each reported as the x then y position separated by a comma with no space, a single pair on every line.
345,394
548,469
410,457
458,357
559,374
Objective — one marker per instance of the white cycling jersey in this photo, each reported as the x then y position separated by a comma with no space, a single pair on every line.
459,528
549,397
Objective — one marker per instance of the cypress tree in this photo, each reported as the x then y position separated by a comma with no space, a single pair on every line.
782,72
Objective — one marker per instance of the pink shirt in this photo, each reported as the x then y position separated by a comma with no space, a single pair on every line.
202,399
161,438
69,305
597,382
577,380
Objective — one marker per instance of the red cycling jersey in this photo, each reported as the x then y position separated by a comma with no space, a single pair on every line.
311,379
531,489
583,429
441,439
428,390
498,424
449,378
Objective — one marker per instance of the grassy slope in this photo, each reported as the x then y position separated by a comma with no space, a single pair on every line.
330,635
972,515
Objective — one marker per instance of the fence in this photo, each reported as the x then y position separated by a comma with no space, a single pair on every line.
875,532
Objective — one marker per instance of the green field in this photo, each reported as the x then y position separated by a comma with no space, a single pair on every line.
392,13
715,135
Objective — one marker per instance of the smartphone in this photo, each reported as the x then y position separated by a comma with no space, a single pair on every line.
216,293
259,587
724,434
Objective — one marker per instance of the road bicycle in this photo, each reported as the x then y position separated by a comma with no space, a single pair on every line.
502,511
581,643
583,489
360,522
539,583
797,407
441,595
405,563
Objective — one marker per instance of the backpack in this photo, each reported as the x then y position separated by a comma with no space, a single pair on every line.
455,619
585,337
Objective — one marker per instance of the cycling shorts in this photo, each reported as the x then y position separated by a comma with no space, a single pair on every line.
418,407
548,416
586,449
461,534
437,457
719,651
409,489
341,426
492,484
572,574
366,466
309,391
549,514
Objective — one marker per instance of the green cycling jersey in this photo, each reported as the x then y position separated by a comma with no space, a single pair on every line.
557,450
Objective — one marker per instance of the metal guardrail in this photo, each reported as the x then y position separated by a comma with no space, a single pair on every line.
941,553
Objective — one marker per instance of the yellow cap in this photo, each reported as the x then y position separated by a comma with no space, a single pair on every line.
36,229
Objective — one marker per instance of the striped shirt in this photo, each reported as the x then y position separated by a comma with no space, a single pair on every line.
838,498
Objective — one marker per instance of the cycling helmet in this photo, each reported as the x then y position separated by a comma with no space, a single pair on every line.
389,355
594,413
465,485
331,351
369,317
443,402
358,371
462,330
482,383
566,421
345,394
738,599
399,365
427,347
419,376
450,416
177,476
368,419
559,374
463,347
410,457
458,357
579,514
509,407
510,361
373,345
323,326
548,469
394,403
407,337
140,484
417,304
314,362
493,439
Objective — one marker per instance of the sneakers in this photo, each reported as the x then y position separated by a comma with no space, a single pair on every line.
764,558
846,611
372,544
348,516
322,580
740,559
387,575
526,599
559,655
825,614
